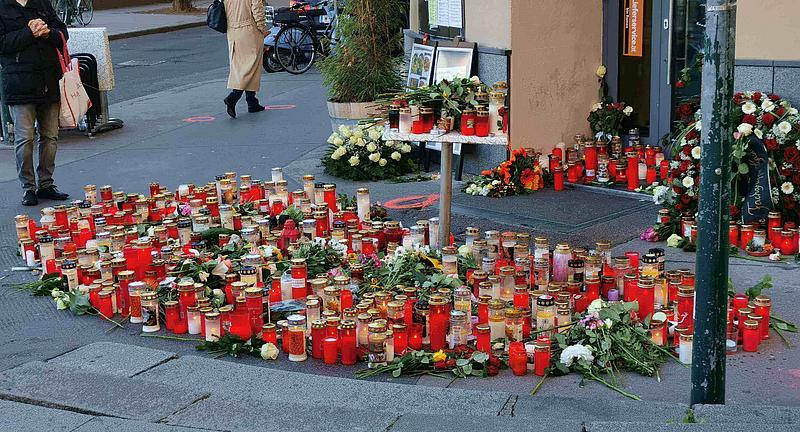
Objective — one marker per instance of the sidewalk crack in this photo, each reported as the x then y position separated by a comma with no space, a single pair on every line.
508,407
182,409
162,362
391,425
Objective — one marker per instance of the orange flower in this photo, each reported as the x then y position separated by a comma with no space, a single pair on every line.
528,179
503,170
486,173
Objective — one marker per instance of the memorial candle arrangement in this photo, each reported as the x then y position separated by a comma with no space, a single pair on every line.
356,290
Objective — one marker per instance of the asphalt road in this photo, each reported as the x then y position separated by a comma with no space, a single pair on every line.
148,64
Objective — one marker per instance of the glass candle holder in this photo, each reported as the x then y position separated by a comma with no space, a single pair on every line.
348,342
751,336
377,344
517,358
439,320
497,321
400,338
297,338
269,333
541,356
685,348
459,328
561,257
545,315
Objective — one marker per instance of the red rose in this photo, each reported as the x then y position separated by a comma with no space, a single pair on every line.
792,155
691,135
679,207
786,172
685,165
757,97
494,361
772,144
767,118
440,365
737,98
685,110
789,203
451,363
773,97
734,211
780,111
680,84
687,150
749,118
796,178
686,199
492,370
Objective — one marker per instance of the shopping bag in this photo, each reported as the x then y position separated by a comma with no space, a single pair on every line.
74,99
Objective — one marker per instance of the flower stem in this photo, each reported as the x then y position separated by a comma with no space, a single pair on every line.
539,385
168,337
785,341
613,387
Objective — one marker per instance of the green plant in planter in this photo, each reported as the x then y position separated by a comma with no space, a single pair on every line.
368,60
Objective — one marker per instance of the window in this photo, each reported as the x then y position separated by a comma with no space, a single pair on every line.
442,18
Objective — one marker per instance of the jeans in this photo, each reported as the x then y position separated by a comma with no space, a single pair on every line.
29,120
250,97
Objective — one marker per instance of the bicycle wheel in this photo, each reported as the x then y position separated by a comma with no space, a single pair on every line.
85,11
296,48
63,10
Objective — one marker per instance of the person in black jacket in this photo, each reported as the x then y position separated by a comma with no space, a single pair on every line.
30,36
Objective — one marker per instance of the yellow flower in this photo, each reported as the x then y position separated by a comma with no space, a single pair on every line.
439,356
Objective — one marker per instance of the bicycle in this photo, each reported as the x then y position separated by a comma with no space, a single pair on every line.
68,10
302,37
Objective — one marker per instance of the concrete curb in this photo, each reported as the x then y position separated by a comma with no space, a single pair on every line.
156,30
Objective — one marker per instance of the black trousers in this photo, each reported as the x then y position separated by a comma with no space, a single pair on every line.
250,97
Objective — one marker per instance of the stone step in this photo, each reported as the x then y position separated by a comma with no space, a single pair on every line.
598,409
52,385
643,426
748,414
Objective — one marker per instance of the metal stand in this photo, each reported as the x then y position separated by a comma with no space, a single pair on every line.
108,122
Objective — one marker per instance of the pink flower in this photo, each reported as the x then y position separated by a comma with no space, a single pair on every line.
185,210
649,235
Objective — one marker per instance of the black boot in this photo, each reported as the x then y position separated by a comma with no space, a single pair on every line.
29,199
51,192
231,107
252,103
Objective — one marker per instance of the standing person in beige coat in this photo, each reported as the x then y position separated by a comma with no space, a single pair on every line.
247,28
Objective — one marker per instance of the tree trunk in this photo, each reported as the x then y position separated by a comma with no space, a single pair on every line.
182,5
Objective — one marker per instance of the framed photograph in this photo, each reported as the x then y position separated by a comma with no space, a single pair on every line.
420,67
452,62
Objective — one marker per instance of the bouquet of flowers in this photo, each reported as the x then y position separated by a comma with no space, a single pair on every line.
359,153
606,118
521,174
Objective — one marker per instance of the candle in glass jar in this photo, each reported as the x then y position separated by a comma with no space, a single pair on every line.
269,333
751,336
348,342
541,356
297,338
497,320
561,257
762,306
483,338
685,348
317,335
518,358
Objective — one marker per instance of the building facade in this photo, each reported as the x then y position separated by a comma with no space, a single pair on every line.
549,51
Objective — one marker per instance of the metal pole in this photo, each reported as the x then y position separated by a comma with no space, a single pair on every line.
445,193
711,297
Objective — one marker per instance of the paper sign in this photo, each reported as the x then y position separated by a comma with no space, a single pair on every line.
634,28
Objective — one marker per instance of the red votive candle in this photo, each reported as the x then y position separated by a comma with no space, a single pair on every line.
751,337
269,334
517,358
483,336
317,336
633,171
330,350
558,178
541,356
400,338
348,343
415,337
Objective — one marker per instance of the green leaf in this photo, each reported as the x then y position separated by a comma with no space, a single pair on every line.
425,360
755,290
467,369
743,168
397,372
462,362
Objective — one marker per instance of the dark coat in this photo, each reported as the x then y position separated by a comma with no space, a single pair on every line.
30,65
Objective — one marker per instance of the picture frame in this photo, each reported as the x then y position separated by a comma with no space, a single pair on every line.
453,62
420,65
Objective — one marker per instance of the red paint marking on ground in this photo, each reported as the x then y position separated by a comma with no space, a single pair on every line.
412,202
199,119
280,107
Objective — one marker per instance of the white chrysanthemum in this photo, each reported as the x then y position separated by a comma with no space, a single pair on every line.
396,156
371,147
787,188
374,157
745,129
767,105
784,127
269,351
576,352
382,162
696,152
353,160
595,306
628,110
688,182
749,107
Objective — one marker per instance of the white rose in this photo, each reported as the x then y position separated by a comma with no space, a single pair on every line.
757,132
784,127
396,156
406,148
688,182
749,108
61,304
628,110
218,292
353,160
745,129
382,162
360,142
338,142
374,135
371,147
389,144
576,352
332,138
787,188
358,133
696,152
792,111
596,107
698,126
374,157
269,351
767,105
475,80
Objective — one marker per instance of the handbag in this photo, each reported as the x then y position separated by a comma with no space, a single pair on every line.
75,101
216,18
